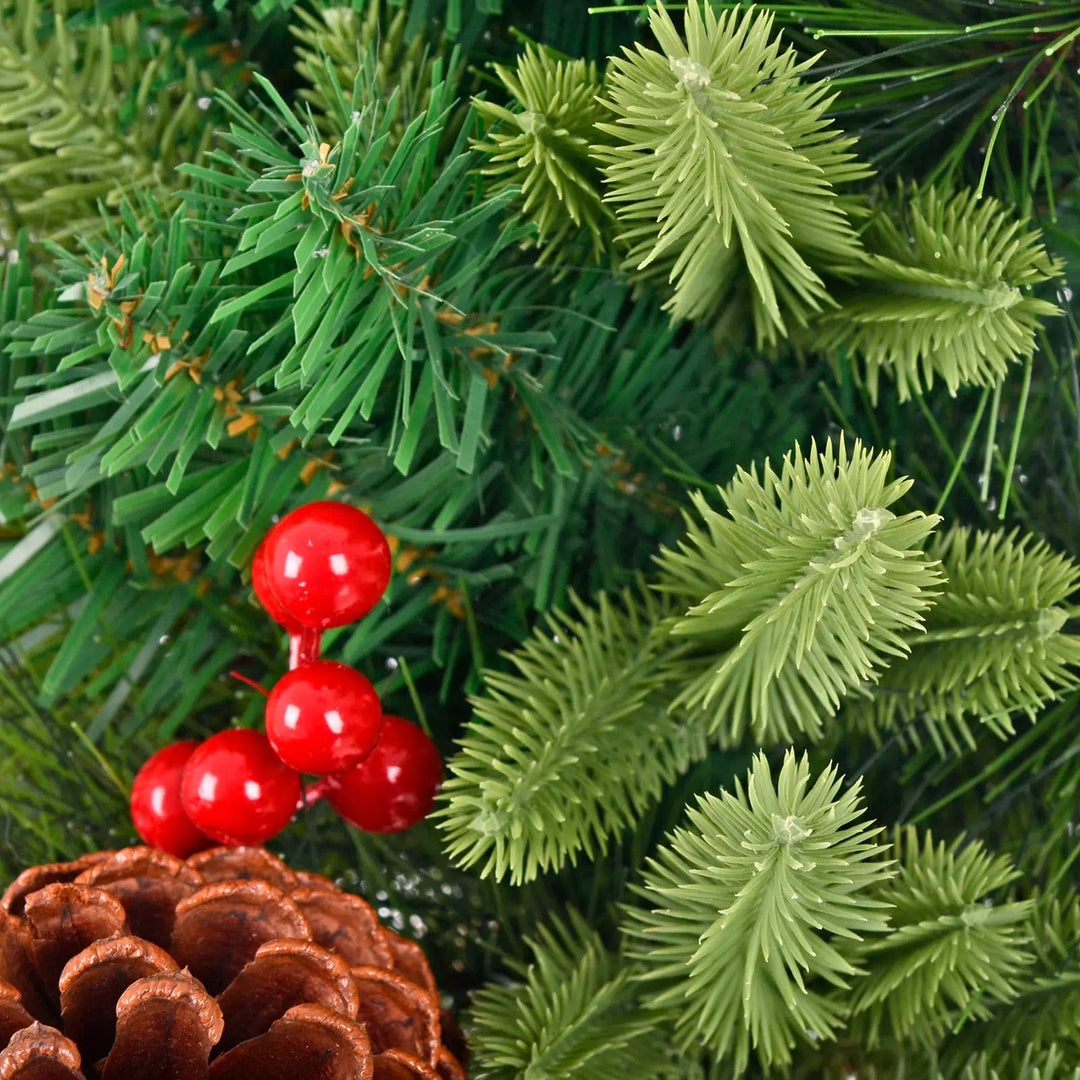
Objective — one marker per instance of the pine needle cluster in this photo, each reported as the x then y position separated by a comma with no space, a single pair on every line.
725,174
951,952
722,169
589,703
754,908
809,583
943,291
996,642
575,1013
91,109
543,149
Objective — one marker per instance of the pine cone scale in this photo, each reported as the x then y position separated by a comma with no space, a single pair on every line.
284,974
13,1014
39,1052
94,980
220,928
309,1041
166,1026
149,885
65,919
398,1014
17,969
37,877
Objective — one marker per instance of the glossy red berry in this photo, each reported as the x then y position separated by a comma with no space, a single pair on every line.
262,589
395,786
326,564
237,790
323,717
155,803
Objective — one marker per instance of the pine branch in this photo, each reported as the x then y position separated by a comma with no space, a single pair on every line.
572,747
1047,1065
573,1015
336,43
953,91
811,584
1046,1005
756,907
943,292
995,644
951,952
542,148
90,109
722,169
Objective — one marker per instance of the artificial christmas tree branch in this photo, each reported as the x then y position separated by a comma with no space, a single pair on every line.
803,606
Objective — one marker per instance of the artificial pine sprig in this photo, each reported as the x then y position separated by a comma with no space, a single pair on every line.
754,910
943,292
996,642
573,746
722,168
336,44
573,1014
1050,1064
806,595
90,109
811,587
952,952
543,148
1046,1005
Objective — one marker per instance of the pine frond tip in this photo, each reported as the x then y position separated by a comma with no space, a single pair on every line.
804,591
571,747
953,951
944,292
572,1016
751,912
997,643
722,168
542,148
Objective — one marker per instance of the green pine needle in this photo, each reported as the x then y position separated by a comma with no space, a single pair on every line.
943,293
722,167
804,590
952,951
543,149
336,45
995,642
1046,1007
573,1016
89,109
1045,1065
757,905
572,747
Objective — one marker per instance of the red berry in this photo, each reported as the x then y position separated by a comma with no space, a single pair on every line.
326,564
262,589
155,803
237,790
323,717
394,787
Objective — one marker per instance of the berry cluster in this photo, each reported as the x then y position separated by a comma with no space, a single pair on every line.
324,565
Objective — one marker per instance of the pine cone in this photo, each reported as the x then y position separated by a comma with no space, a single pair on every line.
134,965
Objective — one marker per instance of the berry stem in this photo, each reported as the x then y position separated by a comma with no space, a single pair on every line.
304,647
313,793
250,682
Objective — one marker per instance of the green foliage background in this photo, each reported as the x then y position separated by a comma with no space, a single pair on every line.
715,375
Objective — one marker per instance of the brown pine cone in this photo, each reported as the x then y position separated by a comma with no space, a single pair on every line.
134,965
